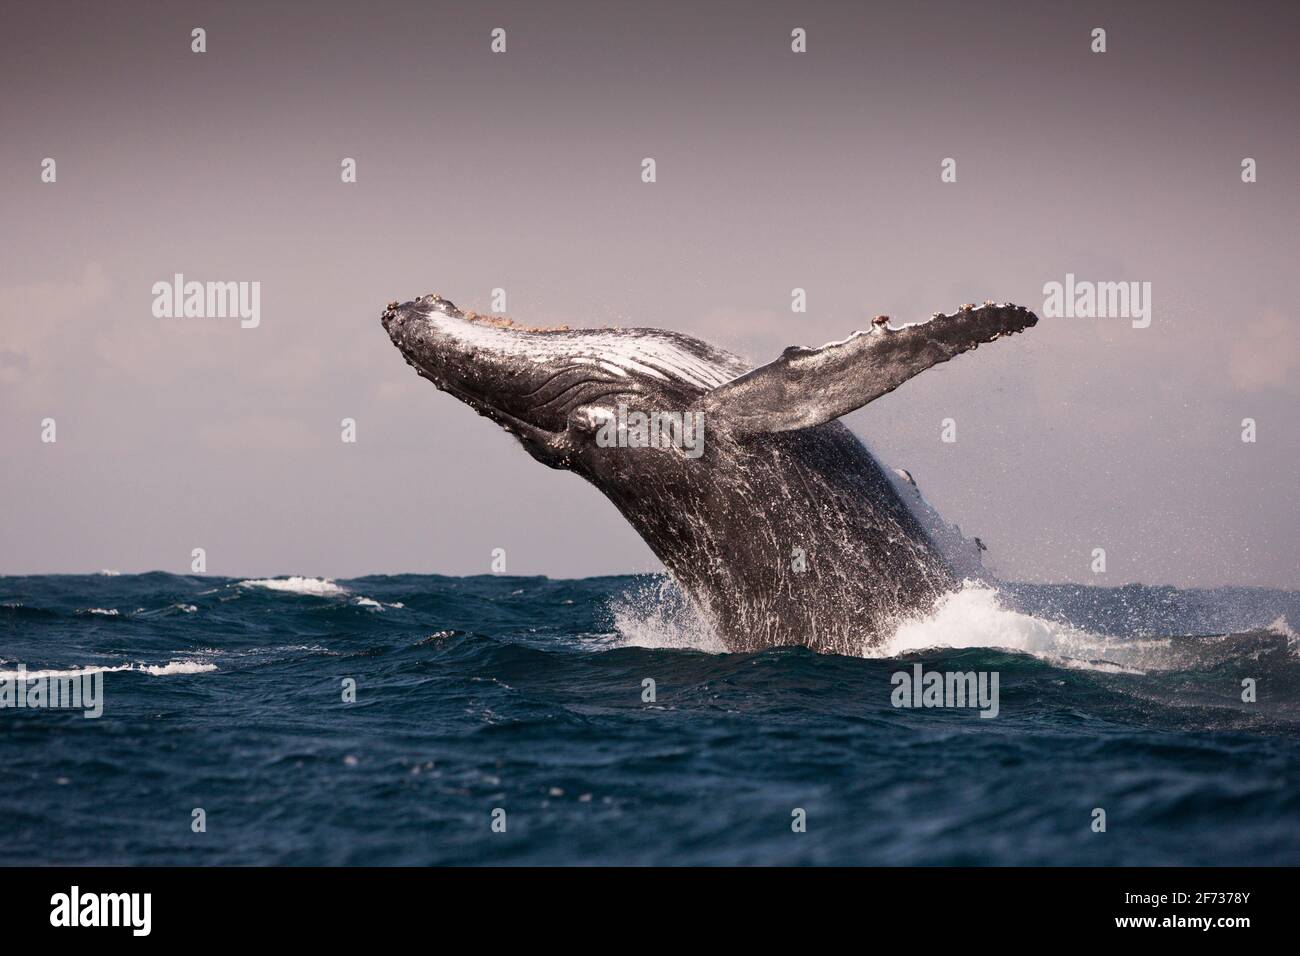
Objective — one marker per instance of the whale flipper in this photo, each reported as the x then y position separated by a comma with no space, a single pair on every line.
807,387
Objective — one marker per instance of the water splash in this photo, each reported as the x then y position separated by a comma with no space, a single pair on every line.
975,616
657,614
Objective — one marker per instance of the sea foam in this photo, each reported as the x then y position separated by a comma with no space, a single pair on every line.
319,587
154,670
657,616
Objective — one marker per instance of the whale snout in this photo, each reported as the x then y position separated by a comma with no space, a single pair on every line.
389,316
397,315
480,362
411,328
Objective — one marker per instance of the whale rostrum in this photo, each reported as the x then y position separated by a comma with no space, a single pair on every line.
769,513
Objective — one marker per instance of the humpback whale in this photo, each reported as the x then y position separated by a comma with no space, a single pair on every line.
784,529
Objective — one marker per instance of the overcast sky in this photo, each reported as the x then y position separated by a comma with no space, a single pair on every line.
521,170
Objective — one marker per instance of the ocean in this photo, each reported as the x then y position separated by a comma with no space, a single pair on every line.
509,720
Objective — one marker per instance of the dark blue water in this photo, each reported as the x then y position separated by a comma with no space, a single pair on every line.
525,694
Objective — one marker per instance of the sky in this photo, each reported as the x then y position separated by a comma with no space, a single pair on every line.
521,170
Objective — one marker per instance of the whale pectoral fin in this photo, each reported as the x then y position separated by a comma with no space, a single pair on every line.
807,387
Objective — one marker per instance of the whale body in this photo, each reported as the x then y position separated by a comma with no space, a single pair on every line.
772,516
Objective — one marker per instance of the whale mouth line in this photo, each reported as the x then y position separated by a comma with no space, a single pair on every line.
517,425
448,349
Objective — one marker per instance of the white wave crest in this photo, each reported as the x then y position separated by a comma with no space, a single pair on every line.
974,616
176,667
657,615
154,670
318,587
1281,628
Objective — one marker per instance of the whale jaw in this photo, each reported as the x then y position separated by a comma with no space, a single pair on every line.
479,361
552,386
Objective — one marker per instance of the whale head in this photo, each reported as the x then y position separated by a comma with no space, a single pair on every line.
568,394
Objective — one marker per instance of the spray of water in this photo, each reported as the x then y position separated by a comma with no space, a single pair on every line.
658,615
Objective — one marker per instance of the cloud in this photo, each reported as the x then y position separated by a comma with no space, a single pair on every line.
1265,354
34,317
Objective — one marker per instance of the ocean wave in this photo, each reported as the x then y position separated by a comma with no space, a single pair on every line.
175,667
154,670
316,587
367,602
657,616
976,616
529,696
167,611
1281,628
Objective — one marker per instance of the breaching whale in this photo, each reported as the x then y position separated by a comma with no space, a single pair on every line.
784,529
